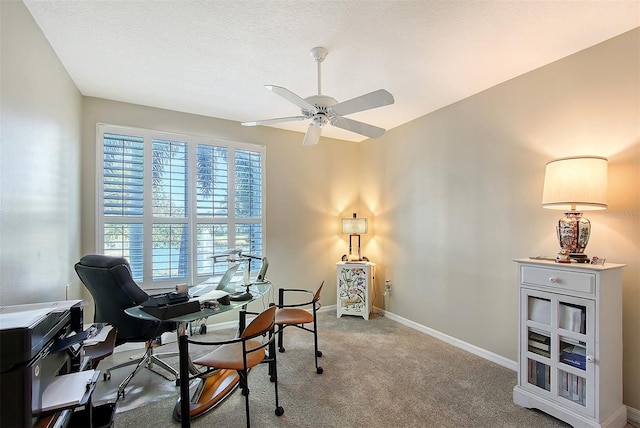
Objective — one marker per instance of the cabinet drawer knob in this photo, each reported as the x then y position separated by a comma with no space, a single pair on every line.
553,279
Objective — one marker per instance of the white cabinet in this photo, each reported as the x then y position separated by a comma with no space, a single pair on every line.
355,288
570,342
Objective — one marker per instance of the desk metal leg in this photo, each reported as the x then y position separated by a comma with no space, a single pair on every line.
183,347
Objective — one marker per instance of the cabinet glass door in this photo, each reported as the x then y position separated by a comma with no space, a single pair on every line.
538,337
558,342
576,326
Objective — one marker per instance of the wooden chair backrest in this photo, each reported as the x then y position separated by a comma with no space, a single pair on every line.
260,324
318,290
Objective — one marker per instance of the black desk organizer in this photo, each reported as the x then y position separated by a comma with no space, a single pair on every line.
172,311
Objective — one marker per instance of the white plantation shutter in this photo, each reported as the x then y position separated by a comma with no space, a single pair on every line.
248,189
166,199
248,172
123,174
122,202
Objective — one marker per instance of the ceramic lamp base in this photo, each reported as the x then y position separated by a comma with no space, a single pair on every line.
573,232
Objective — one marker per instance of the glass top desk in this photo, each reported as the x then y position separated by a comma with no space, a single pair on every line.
224,381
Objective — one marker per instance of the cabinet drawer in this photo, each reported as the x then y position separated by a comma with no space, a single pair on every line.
559,279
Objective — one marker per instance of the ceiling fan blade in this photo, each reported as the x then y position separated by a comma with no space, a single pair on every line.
358,127
312,136
368,101
291,97
272,121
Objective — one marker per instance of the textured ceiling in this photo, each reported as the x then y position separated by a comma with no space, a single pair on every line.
213,58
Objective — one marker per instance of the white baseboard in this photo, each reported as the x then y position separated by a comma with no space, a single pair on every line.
487,355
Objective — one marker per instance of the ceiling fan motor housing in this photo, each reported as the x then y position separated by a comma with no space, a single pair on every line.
323,105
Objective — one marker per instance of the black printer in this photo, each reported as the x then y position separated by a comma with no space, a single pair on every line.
37,342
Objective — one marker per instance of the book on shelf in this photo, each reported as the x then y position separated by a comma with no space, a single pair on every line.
540,310
574,356
538,337
539,374
540,352
539,343
573,318
573,388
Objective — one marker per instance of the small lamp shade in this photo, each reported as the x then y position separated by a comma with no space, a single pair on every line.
576,184
354,226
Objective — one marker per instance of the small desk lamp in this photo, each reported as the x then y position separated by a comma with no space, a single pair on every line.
575,185
354,227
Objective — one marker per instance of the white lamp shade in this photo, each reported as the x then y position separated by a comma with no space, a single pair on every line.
576,184
354,226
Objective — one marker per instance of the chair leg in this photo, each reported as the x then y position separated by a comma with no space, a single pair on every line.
141,363
274,378
243,375
318,353
153,359
147,360
281,338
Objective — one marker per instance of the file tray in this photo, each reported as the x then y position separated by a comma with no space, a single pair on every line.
173,311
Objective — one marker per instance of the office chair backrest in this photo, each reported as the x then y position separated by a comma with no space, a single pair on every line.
109,281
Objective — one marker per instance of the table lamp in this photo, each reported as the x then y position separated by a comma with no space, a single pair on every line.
354,227
574,185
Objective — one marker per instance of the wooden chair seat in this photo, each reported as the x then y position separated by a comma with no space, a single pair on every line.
230,356
293,316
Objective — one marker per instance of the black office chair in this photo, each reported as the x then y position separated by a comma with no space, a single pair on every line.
109,281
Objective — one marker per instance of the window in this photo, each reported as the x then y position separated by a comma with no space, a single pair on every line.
169,203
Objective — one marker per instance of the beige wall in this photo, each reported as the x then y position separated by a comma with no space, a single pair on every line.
40,153
453,197
456,196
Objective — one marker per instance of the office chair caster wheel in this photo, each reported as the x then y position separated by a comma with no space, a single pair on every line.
272,379
106,376
279,411
319,370
178,382
319,353
203,329
281,350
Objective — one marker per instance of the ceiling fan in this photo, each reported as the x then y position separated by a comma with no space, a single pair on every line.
322,109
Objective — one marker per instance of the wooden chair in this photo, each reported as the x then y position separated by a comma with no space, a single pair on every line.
245,352
296,315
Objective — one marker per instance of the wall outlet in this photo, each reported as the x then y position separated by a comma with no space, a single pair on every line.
387,285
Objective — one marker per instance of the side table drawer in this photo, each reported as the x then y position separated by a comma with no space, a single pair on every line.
559,279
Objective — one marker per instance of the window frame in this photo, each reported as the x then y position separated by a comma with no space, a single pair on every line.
192,220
